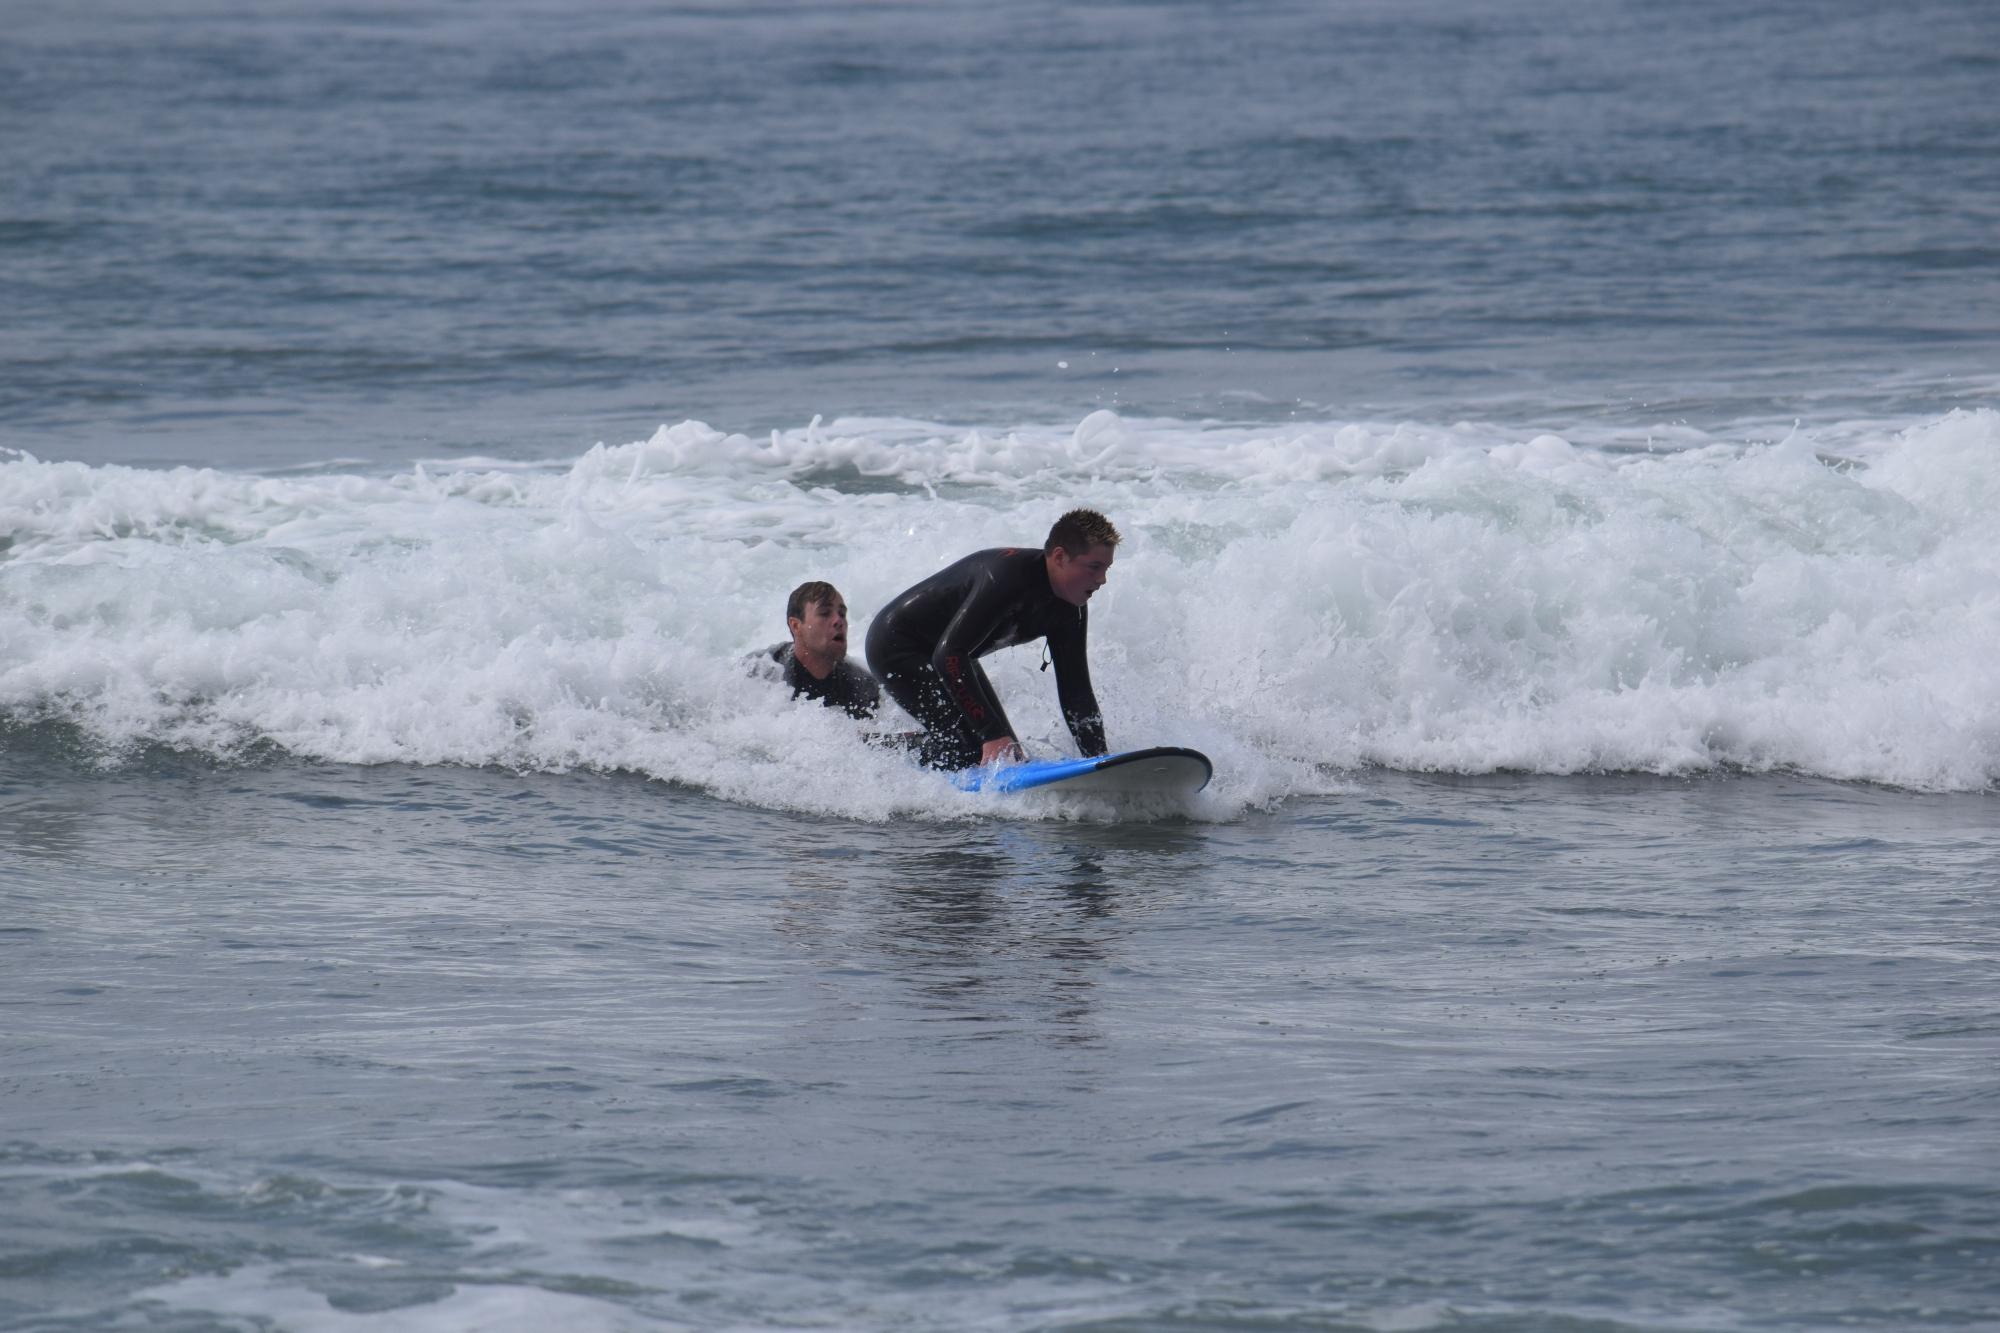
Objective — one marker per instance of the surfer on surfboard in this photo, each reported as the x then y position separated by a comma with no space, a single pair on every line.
925,645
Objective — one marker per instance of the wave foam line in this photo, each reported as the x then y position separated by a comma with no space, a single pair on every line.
1294,604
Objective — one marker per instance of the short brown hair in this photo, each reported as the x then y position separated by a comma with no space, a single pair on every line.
811,593
1079,530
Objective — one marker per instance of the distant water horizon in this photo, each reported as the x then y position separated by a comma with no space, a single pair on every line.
292,234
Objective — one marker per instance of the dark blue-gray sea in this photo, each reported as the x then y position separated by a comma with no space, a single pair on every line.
1557,446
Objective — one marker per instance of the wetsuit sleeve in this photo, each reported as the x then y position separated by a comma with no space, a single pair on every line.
965,684
1079,702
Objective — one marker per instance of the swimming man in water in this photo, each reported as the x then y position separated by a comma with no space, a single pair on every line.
815,663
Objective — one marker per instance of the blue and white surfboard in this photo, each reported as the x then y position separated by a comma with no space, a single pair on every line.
1164,770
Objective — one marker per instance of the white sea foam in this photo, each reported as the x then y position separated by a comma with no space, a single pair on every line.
1296,602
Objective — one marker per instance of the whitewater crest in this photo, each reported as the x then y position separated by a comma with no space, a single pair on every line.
1103,446
1300,603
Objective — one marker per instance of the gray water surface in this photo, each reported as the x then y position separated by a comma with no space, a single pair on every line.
292,1040
282,233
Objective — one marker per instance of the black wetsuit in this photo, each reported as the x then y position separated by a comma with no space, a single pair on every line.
846,686
925,647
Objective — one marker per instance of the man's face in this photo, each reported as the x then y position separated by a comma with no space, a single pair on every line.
823,630
1075,577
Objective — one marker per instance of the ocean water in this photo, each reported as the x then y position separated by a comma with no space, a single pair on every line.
1558,452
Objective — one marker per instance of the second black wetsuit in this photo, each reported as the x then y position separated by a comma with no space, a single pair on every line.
925,648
